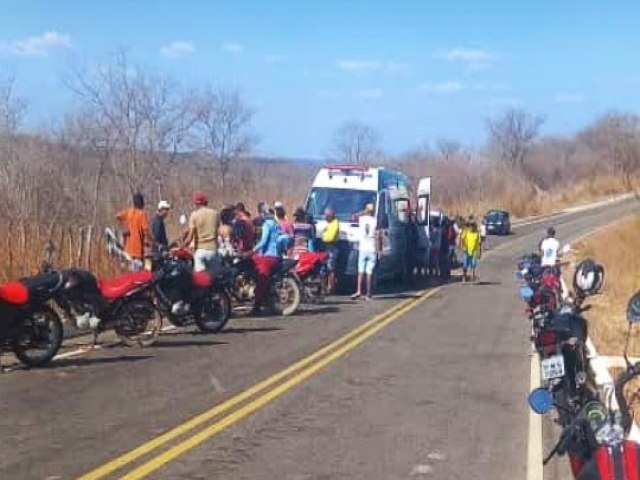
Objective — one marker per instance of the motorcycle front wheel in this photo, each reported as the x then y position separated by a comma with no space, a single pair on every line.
140,323
215,313
39,338
286,297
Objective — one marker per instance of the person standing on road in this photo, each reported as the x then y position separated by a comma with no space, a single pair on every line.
244,230
158,228
136,231
472,251
265,259
483,231
330,237
550,249
203,232
367,251
303,233
445,267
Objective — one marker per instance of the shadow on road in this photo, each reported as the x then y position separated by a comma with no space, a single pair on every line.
86,361
186,343
317,311
244,330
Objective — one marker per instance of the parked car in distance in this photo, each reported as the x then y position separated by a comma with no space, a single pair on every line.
498,222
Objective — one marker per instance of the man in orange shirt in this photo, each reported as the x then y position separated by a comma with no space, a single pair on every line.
136,230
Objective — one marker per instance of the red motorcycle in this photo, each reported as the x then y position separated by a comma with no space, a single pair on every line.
124,304
311,273
28,326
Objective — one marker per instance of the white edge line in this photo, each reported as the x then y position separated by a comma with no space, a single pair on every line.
534,446
85,350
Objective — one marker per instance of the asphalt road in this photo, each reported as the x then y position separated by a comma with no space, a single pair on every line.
435,389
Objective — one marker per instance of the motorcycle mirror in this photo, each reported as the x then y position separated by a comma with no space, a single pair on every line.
540,401
526,292
633,309
183,219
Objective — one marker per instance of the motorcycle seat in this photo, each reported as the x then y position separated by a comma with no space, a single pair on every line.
202,280
14,293
118,287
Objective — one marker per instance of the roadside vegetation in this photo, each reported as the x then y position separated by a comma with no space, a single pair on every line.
616,248
131,129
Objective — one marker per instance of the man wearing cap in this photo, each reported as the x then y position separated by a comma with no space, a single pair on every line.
204,223
158,228
367,250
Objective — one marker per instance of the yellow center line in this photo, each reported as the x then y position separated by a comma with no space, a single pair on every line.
157,442
181,448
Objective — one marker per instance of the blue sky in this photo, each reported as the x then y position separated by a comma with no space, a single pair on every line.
415,70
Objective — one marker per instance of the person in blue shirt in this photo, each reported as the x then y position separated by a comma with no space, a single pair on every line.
265,258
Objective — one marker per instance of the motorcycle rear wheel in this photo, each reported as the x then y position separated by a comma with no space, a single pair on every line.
43,322
141,323
287,297
216,313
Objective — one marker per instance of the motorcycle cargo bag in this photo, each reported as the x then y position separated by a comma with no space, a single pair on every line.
621,462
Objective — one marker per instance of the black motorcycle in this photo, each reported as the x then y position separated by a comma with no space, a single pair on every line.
29,327
186,297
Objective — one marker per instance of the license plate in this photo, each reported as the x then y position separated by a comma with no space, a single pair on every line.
552,367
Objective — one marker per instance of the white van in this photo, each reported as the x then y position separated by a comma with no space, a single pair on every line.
347,189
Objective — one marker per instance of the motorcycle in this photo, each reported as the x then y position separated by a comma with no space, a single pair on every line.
596,440
124,304
311,273
284,295
560,339
185,297
29,327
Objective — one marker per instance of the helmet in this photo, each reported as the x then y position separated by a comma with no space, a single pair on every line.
199,198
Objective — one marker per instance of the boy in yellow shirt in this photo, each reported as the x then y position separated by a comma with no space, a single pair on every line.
471,250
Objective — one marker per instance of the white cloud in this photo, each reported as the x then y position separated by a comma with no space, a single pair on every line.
369,94
177,49
371,66
274,58
450,86
472,58
36,46
232,47
569,98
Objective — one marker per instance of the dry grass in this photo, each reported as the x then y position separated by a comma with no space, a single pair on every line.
616,248
522,200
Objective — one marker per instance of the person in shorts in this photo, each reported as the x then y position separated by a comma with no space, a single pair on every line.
472,250
367,251
330,237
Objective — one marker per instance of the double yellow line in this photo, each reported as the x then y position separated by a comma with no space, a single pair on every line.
264,392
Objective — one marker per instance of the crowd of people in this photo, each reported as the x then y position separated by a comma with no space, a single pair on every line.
271,234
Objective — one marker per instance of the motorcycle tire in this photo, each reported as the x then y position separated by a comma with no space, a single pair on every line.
51,321
286,298
216,314
140,324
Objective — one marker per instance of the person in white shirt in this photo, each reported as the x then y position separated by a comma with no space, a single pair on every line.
367,250
549,249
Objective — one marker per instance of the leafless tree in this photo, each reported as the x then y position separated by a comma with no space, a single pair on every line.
355,143
139,118
448,148
222,125
616,137
511,136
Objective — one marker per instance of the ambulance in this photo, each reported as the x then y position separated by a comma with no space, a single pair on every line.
347,189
